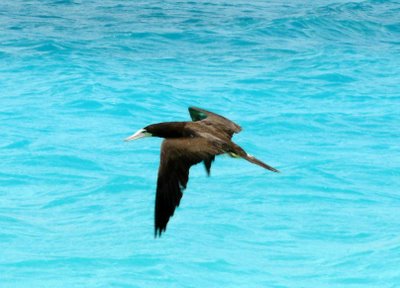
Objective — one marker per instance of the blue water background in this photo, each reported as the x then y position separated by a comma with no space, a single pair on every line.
315,86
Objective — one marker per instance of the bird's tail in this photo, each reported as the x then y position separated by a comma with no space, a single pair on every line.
238,152
254,160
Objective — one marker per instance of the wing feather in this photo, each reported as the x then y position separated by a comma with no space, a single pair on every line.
220,122
177,156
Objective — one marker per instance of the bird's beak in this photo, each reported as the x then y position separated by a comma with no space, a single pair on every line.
139,134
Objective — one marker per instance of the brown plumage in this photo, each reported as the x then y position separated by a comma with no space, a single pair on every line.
187,144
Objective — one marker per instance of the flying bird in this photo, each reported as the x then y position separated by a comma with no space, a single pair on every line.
186,144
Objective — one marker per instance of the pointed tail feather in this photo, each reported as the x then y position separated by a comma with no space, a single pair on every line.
254,160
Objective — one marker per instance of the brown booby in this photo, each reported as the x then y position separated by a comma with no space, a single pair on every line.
187,144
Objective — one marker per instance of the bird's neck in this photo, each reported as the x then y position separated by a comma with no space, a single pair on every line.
170,130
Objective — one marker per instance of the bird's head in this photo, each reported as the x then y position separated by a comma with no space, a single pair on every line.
141,133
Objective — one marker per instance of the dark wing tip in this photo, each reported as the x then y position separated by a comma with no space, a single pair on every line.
172,179
207,164
158,231
196,113
160,225
167,200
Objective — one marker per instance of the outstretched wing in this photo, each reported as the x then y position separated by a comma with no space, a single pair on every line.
222,123
177,156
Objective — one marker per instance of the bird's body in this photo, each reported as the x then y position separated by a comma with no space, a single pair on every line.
187,144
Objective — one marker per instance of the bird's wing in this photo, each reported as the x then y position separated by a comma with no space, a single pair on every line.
177,156
222,123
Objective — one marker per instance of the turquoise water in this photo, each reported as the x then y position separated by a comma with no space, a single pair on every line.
315,86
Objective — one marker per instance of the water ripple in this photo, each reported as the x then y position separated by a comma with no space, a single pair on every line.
314,86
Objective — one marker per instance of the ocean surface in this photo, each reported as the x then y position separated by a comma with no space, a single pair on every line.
315,86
